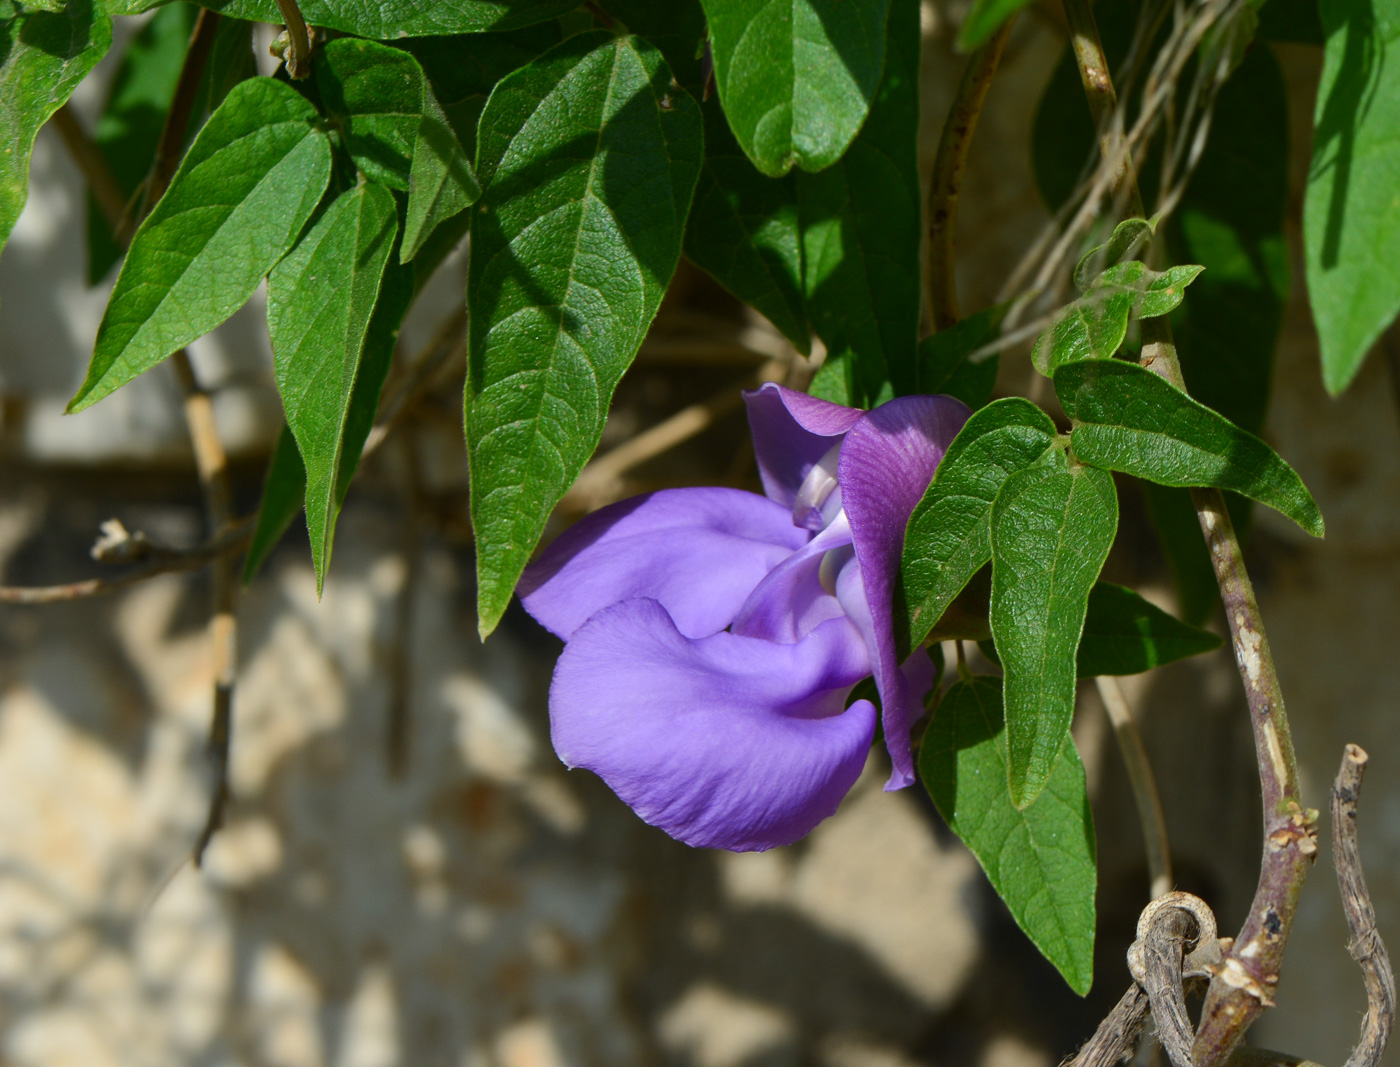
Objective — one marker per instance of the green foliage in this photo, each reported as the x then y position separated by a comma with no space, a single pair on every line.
1124,634
319,302
130,126
244,190
1128,419
589,159
860,238
1351,225
1094,326
1040,858
797,77
743,232
1052,527
944,366
43,57
948,537
387,19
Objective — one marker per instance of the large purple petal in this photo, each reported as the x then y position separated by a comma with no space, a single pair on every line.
700,552
791,431
790,602
887,462
723,742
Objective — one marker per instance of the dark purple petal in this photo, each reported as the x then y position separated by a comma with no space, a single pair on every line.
700,552
887,462
723,742
791,432
789,603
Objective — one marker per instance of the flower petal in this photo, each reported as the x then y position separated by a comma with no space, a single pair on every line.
791,432
700,552
723,742
790,602
887,462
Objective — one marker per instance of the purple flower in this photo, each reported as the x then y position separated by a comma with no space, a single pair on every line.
713,635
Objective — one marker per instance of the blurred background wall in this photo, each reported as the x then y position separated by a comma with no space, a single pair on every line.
486,908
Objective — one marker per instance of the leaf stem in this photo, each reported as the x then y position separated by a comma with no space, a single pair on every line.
177,120
948,167
298,39
1248,975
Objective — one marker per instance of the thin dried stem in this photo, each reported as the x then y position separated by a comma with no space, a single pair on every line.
102,183
1117,1034
1144,785
1365,946
157,560
948,167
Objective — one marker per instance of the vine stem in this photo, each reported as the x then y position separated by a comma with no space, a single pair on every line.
948,167
1243,984
299,40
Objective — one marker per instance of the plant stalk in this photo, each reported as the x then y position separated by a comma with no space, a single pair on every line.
1248,974
948,167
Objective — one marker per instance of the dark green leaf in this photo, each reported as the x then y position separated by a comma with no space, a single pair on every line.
319,302
43,57
244,190
1052,527
230,62
948,537
1128,419
984,18
743,232
676,28
1094,326
1124,634
441,183
463,68
797,77
945,368
1040,859
130,126
284,496
1351,225
861,223
387,19
589,159
377,94
1293,21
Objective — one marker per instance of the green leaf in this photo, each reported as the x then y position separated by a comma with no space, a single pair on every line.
1125,634
387,19
377,94
463,68
43,57
1351,219
588,179
319,302
677,29
130,126
861,223
944,366
230,62
1094,326
1052,527
1128,419
441,183
948,537
797,77
244,190
984,18
1128,241
743,232
284,496
1040,859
